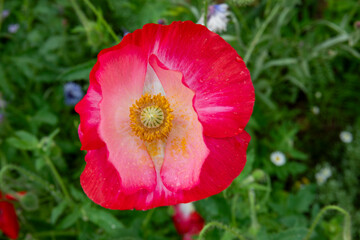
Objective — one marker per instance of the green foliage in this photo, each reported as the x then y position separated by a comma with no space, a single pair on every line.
301,55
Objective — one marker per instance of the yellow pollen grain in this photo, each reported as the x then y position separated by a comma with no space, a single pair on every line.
183,145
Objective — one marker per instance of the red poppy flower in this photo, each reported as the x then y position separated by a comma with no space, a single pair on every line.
187,221
9,224
163,119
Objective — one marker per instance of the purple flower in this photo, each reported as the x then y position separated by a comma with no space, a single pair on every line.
5,13
73,93
13,28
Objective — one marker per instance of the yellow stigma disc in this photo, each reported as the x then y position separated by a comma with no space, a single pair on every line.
151,118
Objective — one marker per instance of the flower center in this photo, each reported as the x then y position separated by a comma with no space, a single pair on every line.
151,118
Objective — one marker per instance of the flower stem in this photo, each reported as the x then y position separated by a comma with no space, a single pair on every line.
260,32
206,3
220,226
1,9
58,179
102,20
254,223
347,221
83,19
31,177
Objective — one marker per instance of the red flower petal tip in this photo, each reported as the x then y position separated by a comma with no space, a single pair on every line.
9,224
163,118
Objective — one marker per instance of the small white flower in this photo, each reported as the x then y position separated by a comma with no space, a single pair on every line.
315,110
326,171
320,179
278,158
346,137
318,95
323,175
217,17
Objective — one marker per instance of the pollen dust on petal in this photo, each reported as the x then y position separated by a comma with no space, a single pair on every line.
156,152
153,148
178,147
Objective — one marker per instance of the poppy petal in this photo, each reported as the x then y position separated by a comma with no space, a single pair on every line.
8,220
185,149
121,75
88,109
226,160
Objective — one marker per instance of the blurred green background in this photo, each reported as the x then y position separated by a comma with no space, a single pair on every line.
304,59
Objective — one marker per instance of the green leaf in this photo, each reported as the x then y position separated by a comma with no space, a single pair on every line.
4,84
296,168
266,100
297,154
104,219
281,62
331,42
57,211
77,72
301,202
70,219
44,116
350,50
297,83
52,43
39,163
23,140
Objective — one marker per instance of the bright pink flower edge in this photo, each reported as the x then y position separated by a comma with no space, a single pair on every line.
219,78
